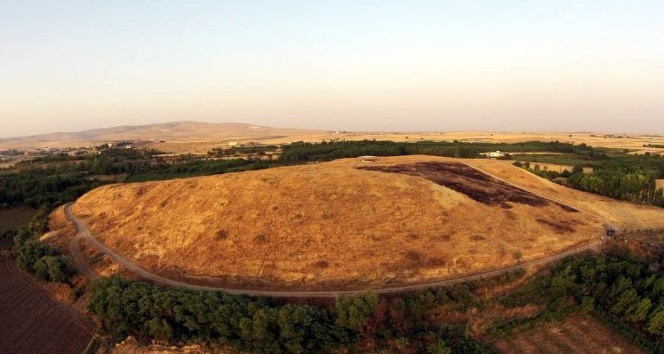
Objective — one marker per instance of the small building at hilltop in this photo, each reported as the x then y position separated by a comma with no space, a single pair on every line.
368,158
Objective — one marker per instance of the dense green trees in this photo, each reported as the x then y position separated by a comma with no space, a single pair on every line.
403,322
249,324
326,151
41,259
43,186
626,183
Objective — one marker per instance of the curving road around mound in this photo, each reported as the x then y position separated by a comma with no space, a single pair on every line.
82,233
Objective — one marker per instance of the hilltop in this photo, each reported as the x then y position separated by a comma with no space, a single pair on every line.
348,223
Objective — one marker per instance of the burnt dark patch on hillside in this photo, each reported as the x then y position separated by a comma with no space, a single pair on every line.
471,182
556,226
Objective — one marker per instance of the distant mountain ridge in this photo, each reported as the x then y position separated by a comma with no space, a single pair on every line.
172,131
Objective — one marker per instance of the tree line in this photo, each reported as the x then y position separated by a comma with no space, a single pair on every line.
41,260
302,152
401,323
632,184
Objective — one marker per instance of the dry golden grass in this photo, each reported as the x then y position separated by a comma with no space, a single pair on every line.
62,231
611,212
328,225
576,335
660,183
552,167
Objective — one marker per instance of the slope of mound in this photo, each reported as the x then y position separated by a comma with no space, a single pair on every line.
344,224
622,215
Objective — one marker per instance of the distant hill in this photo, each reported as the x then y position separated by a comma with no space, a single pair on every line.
174,131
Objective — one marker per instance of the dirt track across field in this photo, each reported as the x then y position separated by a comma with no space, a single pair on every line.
83,232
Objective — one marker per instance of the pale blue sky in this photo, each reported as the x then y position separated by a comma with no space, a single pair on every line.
351,65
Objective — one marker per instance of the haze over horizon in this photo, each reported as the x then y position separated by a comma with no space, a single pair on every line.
342,65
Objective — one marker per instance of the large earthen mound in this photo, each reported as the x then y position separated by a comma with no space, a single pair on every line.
346,224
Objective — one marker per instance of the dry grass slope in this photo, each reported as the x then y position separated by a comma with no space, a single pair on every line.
333,225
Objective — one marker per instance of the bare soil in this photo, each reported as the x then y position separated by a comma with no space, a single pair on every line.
132,346
15,217
576,335
33,322
332,226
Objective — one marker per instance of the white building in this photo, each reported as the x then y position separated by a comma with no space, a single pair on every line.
493,154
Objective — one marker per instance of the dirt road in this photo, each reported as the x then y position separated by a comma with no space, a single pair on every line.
84,267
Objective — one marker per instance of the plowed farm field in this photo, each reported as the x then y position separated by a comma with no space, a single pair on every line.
577,335
32,322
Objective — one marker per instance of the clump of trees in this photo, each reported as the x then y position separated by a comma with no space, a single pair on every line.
39,186
542,172
631,183
40,259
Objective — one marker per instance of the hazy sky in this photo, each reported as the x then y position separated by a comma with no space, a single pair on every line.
349,65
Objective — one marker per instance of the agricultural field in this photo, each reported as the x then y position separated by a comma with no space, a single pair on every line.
576,335
33,322
15,217
558,168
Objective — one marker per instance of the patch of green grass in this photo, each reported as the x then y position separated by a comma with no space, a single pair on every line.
16,217
555,159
